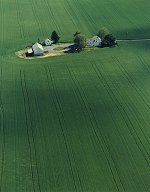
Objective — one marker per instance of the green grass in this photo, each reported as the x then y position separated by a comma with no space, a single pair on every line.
78,122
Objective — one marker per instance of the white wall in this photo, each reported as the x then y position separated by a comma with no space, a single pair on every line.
38,51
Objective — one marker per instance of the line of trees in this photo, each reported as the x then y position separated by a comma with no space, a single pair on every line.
80,40
108,40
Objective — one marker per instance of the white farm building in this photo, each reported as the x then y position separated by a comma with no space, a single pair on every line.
48,42
37,49
94,41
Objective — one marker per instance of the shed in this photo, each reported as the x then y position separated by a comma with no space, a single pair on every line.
38,49
94,41
30,51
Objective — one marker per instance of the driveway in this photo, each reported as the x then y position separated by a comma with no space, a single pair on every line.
58,48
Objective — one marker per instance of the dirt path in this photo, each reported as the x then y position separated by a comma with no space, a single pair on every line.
132,40
58,48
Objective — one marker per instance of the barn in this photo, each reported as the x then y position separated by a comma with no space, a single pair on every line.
48,42
37,49
94,41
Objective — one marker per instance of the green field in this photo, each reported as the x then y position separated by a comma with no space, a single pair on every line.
79,122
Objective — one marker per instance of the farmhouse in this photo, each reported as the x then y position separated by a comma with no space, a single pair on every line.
94,41
37,49
48,42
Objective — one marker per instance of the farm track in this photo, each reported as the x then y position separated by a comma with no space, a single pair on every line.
130,125
131,110
70,11
97,132
87,15
140,142
139,91
62,123
120,135
42,132
36,17
2,129
84,14
2,132
79,122
105,85
132,40
18,13
119,107
45,145
30,135
125,16
50,10
144,63
81,102
134,114
84,111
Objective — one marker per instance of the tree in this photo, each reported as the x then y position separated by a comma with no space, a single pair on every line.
54,37
76,33
103,32
108,41
80,41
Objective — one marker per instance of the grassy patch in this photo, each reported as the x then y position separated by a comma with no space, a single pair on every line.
79,122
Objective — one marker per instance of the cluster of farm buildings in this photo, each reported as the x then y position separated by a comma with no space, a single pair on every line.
37,49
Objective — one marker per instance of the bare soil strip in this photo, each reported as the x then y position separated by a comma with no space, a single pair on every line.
132,40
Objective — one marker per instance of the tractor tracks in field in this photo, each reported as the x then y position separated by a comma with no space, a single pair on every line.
42,131
30,135
62,122
36,16
139,91
126,118
142,96
143,61
18,13
51,13
87,116
84,14
71,13
96,131
2,130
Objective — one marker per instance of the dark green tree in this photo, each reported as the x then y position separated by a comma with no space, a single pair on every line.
108,41
76,33
54,37
80,41
103,32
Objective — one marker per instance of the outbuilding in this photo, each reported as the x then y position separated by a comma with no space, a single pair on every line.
37,49
48,42
29,53
94,41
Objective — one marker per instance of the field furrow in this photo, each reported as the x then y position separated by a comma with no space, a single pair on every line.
76,122
96,129
30,136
